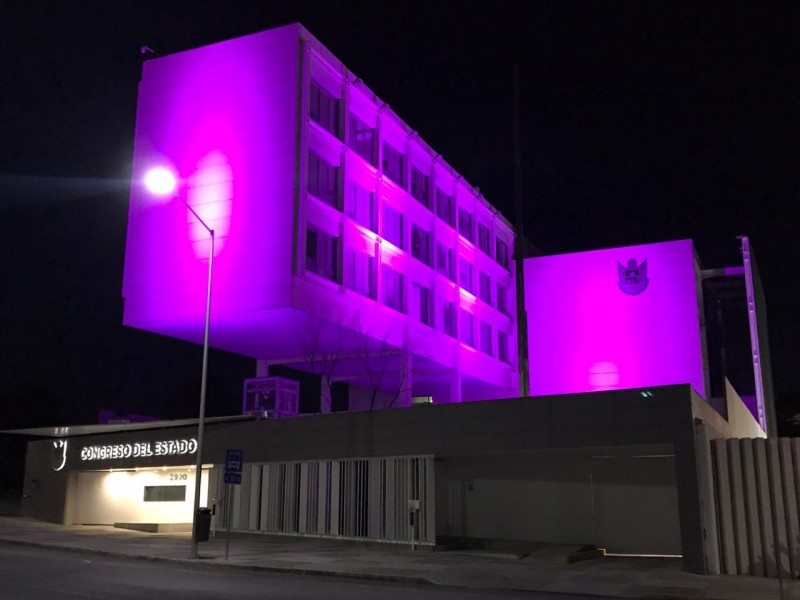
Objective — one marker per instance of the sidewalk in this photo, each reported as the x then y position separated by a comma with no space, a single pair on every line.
539,571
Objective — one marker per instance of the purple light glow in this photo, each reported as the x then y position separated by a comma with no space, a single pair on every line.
586,334
232,122
223,120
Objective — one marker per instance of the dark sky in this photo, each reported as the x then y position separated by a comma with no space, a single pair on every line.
641,122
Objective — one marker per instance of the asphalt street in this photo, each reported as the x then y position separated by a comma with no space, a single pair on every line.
37,574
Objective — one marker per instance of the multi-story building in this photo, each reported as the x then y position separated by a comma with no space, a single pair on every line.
346,246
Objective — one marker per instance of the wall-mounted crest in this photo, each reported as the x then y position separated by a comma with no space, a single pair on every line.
633,278
59,454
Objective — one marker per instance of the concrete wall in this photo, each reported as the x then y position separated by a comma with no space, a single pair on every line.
500,428
44,491
636,508
621,499
103,498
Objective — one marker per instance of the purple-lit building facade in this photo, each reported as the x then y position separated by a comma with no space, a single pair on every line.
590,332
345,245
649,315
347,248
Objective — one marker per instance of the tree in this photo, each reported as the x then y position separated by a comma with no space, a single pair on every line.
388,371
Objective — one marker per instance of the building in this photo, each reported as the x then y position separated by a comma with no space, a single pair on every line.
348,249
648,315
345,245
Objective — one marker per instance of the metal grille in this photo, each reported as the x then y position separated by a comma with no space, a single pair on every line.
366,498
756,486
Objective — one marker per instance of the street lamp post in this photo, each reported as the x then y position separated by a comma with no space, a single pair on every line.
161,181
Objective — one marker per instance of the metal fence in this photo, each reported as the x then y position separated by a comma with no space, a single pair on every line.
366,499
756,484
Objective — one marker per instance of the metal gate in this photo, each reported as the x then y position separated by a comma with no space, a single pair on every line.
367,498
756,484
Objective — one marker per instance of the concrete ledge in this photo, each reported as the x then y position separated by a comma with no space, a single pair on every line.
156,527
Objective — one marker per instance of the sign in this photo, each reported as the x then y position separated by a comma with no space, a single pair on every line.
234,478
59,454
632,277
139,449
233,467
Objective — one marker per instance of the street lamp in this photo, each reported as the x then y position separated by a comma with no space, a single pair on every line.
162,182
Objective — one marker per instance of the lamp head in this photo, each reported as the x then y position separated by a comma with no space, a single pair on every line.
160,181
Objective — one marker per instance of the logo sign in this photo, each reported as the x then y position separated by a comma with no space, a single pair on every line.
140,449
233,467
59,454
633,277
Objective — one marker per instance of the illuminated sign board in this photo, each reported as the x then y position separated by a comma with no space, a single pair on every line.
139,449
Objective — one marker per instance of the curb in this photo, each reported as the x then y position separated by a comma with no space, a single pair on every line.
407,579
223,566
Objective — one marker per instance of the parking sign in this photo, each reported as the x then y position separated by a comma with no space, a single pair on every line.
233,467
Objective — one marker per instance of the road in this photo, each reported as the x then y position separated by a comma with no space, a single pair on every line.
36,574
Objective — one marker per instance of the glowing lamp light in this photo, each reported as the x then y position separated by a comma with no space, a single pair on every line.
160,181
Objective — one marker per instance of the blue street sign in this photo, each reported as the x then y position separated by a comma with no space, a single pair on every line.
233,461
233,467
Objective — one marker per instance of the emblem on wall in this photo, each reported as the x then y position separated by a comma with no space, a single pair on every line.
632,277
59,454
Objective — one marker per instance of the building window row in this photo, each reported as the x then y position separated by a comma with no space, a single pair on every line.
324,179
325,183
322,250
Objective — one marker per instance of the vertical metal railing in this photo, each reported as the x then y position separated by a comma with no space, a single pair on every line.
352,498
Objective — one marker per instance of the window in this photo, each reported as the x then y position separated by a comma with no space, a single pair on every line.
502,346
324,108
394,165
502,298
465,224
485,288
444,316
361,138
323,179
358,205
420,304
445,208
420,244
502,253
444,261
486,338
392,226
392,288
358,271
465,274
165,493
465,329
321,253
419,187
484,242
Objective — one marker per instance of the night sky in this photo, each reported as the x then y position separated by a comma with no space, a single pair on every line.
641,122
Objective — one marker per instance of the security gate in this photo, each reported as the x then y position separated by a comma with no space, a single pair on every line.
367,498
